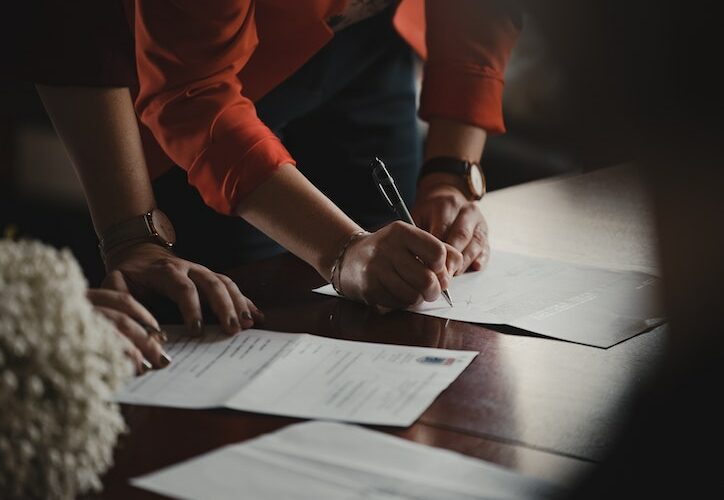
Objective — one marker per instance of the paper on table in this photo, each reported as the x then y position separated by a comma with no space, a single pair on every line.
299,375
315,460
604,218
578,303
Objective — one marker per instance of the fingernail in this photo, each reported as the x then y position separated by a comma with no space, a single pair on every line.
246,315
155,332
234,323
164,360
146,366
197,328
160,336
150,328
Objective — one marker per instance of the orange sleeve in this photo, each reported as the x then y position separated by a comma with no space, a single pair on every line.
468,46
188,54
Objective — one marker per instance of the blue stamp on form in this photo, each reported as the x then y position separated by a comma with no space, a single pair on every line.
435,360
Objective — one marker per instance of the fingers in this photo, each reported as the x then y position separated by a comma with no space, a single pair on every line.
463,228
442,220
115,281
406,294
123,302
149,348
393,292
187,284
423,283
173,282
474,250
217,295
423,245
454,260
139,362
482,260
247,312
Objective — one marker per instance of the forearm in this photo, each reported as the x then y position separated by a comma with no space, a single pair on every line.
99,130
289,209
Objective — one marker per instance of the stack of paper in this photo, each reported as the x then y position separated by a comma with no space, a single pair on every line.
299,375
316,460
583,304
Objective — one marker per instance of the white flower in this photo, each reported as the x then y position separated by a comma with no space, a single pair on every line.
59,363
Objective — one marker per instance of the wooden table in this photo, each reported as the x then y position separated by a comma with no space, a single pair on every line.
544,407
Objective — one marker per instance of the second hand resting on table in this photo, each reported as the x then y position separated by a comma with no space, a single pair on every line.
146,269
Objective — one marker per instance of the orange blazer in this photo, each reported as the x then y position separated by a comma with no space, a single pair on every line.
202,64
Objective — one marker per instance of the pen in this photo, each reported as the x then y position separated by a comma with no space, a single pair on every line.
386,185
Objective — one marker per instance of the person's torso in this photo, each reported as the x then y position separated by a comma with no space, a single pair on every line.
290,33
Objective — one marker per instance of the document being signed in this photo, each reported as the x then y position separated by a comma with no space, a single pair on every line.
314,460
578,303
299,375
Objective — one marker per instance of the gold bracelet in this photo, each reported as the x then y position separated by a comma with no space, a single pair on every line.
337,266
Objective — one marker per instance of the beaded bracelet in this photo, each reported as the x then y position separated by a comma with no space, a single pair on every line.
337,266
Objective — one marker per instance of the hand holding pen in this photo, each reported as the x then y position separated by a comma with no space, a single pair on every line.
387,188
395,267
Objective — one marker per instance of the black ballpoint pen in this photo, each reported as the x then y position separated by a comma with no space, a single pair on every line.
386,185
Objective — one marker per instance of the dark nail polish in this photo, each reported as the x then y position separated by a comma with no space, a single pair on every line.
164,360
146,366
234,323
159,336
197,328
150,328
246,315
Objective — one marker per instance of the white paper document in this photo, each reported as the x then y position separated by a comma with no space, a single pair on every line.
316,460
572,302
299,375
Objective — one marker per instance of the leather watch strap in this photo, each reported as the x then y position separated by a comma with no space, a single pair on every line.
152,226
470,173
137,228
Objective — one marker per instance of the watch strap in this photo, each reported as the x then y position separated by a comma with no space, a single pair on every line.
138,228
456,166
446,164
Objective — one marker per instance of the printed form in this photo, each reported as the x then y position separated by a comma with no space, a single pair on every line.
299,375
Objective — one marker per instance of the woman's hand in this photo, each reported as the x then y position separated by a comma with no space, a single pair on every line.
446,213
146,268
397,266
135,324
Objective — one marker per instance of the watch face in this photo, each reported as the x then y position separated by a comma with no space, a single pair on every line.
163,227
476,181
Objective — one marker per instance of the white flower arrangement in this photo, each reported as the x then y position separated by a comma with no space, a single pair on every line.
60,364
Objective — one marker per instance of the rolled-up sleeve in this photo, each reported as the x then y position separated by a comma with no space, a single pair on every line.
468,46
188,55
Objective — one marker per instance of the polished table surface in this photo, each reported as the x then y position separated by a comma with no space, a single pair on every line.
543,407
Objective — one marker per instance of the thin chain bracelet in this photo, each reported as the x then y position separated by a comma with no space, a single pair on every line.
337,266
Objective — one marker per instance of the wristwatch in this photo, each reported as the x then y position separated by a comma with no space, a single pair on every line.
153,227
471,172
